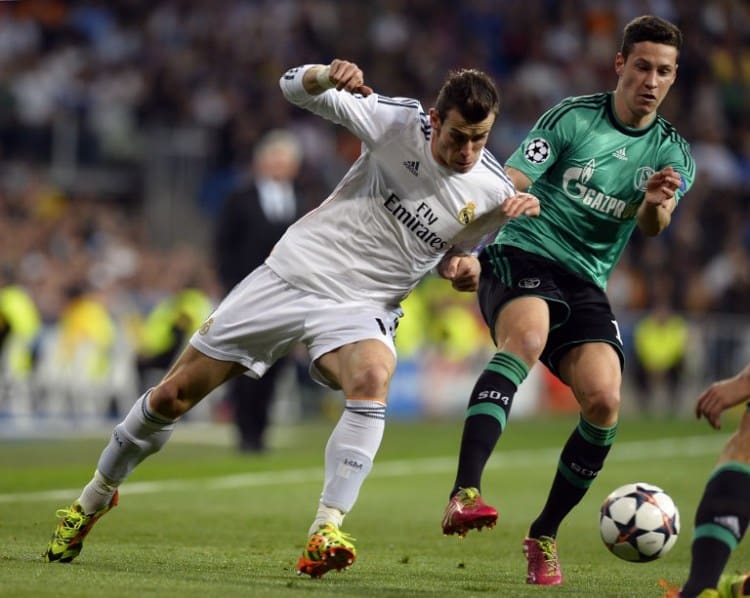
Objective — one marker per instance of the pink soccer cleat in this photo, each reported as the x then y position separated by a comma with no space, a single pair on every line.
467,511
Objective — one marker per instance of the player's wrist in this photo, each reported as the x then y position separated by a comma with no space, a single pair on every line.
323,78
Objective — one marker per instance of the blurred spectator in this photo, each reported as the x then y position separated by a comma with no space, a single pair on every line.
660,346
20,325
75,360
253,218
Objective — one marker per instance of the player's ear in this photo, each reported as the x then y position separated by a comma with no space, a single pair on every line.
435,121
619,63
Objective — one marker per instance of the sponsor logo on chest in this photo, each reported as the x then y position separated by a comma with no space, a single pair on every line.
575,184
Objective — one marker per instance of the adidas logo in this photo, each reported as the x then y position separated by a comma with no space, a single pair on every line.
412,166
620,154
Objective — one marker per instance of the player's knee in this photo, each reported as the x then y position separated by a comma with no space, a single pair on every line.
371,380
601,406
167,401
528,346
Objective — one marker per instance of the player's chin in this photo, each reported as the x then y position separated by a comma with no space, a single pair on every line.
463,167
648,106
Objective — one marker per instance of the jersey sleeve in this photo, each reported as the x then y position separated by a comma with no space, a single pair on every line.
370,118
545,142
678,156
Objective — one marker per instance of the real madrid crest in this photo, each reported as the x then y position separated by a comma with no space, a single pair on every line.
468,213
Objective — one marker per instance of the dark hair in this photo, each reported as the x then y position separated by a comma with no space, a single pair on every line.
471,92
649,28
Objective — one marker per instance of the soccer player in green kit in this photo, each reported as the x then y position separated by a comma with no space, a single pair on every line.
600,165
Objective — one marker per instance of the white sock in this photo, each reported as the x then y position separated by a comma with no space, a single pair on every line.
326,515
349,455
97,494
139,435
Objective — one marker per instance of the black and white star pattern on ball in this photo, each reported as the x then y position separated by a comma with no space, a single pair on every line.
537,151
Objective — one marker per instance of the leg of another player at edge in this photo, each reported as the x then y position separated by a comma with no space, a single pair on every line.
592,370
721,518
364,371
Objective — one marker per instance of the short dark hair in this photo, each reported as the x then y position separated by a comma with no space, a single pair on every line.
471,92
649,28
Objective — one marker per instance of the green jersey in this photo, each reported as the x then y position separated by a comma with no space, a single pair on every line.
589,172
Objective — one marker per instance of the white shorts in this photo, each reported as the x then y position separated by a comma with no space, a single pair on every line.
263,317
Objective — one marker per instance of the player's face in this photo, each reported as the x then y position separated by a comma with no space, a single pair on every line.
457,144
644,81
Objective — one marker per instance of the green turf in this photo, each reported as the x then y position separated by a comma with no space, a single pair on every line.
201,520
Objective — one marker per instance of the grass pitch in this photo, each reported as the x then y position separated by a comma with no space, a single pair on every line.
199,519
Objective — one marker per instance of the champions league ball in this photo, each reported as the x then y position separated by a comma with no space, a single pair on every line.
639,522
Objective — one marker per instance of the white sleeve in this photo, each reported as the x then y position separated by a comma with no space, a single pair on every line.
367,117
291,85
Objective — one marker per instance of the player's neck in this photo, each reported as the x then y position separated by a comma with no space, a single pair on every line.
628,118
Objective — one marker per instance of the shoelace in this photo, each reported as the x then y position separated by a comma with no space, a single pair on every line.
72,521
335,534
550,554
469,497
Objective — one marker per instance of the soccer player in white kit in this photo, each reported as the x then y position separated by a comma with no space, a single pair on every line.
422,195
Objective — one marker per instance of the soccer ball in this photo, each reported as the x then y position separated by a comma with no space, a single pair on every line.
639,522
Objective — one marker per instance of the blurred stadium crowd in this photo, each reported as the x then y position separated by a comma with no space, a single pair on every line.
124,125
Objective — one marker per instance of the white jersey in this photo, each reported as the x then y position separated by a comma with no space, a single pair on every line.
395,213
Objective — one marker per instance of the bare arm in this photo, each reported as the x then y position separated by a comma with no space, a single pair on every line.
655,213
515,206
460,266
722,395
520,181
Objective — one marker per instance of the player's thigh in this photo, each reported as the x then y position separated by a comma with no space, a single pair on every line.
593,372
351,346
522,326
737,447
362,369
193,376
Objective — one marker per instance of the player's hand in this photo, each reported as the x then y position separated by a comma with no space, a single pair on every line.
462,270
662,185
349,77
717,398
520,204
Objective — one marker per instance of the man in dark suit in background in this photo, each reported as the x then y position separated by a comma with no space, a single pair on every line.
252,219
